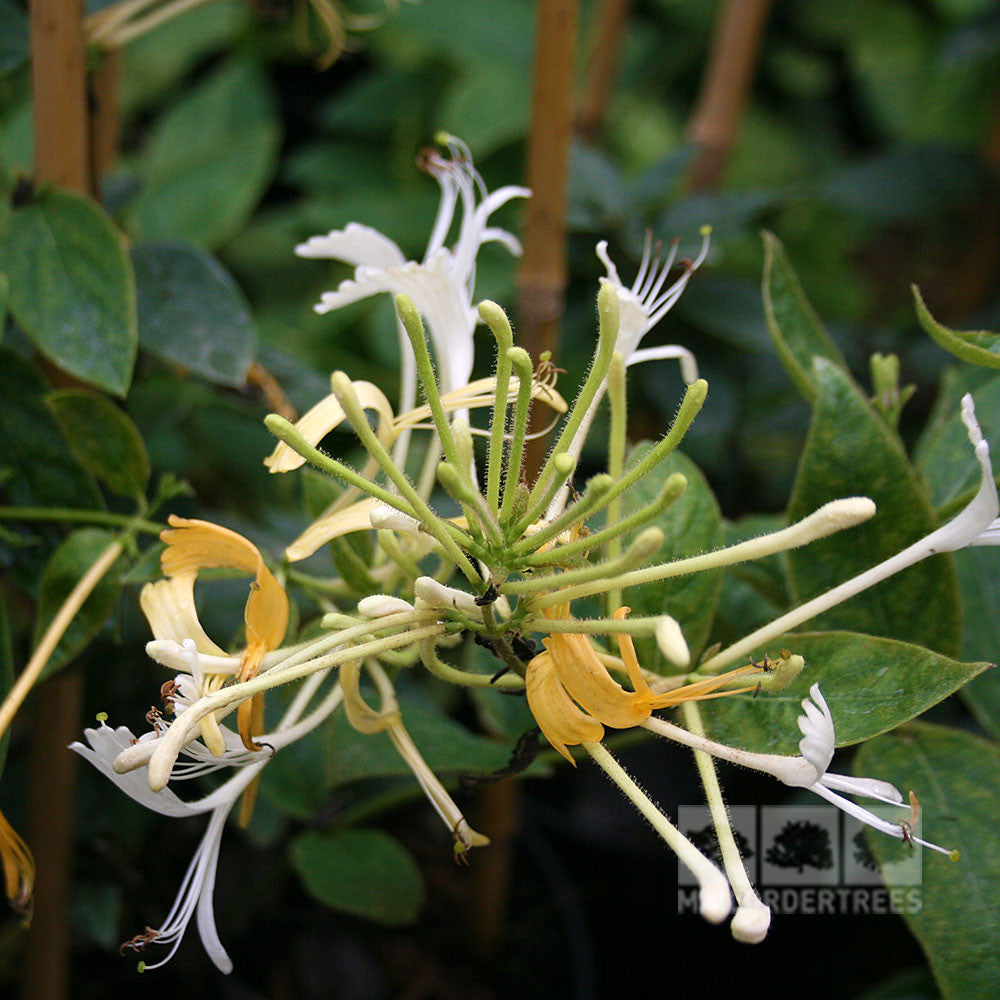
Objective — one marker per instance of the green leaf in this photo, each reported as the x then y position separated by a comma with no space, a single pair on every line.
103,439
956,776
4,299
13,37
45,471
71,287
192,313
851,451
488,107
68,564
978,347
302,776
943,455
795,328
914,984
871,685
980,586
210,160
691,526
362,871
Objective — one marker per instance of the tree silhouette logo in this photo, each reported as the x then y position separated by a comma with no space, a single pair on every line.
801,845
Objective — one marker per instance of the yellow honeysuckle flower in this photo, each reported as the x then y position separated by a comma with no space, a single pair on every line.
196,545
18,867
573,696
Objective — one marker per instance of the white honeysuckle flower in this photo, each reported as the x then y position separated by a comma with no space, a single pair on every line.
380,605
817,744
640,308
383,516
442,285
105,749
809,770
671,642
431,594
975,524
643,305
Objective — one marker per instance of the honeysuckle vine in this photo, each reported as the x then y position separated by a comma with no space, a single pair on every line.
464,548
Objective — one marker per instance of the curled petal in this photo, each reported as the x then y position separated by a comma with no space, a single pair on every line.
561,720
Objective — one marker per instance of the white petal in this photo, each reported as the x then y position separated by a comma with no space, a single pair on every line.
356,245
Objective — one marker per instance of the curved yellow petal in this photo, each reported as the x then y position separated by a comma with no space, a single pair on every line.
316,423
18,866
561,721
332,524
360,714
171,612
588,682
194,545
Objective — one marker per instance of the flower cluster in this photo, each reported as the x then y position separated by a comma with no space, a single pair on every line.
465,545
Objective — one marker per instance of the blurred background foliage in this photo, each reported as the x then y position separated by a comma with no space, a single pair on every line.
870,145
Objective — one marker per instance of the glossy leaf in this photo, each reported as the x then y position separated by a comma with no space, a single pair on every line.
44,469
361,871
795,328
872,685
71,287
104,439
691,525
192,313
956,776
209,160
978,347
69,562
851,451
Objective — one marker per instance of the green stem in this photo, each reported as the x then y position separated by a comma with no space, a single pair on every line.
593,498
347,396
446,672
672,490
617,440
83,516
565,586
496,319
521,361
608,319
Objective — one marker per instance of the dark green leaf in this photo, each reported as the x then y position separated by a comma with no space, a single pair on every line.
914,984
903,184
44,469
68,564
943,455
979,582
795,328
103,439
978,347
691,526
362,871
71,287
596,189
851,451
871,685
488,107
192,313
4,299
13,37
210,159
302,776
956,776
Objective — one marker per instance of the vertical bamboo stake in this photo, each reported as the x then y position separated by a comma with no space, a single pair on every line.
602,67
725,87
58,79
541,284
58,84
541,277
